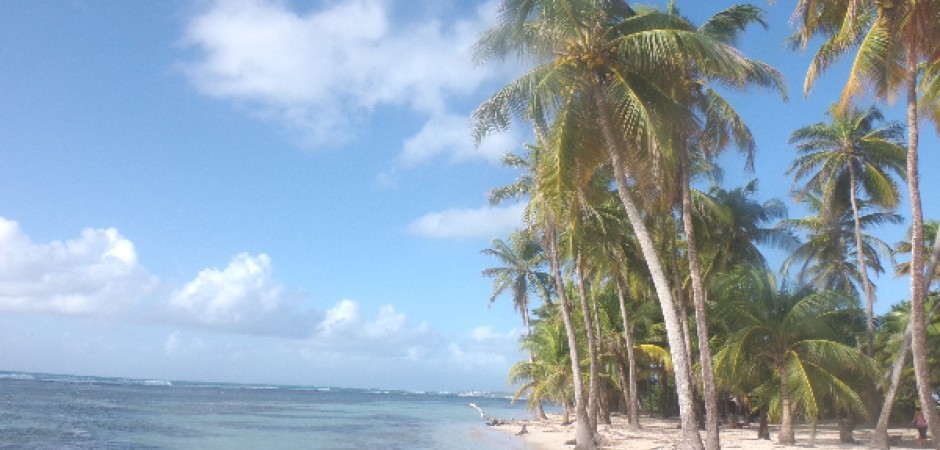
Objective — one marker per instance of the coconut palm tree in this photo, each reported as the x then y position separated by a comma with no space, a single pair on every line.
734,224
788,344
894,39
825,259
602,84
880,433
547,375
851,155
521,273
721,127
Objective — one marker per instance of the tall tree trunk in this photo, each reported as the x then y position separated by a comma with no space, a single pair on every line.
633,402
681,305
862,266
701,317
918,300
592,342
785,436
879,437
690,435
603,404
584,437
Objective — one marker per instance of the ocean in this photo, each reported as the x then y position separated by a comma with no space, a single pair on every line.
43,411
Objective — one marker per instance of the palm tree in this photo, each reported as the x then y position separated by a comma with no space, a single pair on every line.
825,259
931,229
788,344
602,86
880,433
522,258
845,157
894,38
720,127
547,375
521,274
735,224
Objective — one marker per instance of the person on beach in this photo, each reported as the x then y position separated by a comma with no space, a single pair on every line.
920,423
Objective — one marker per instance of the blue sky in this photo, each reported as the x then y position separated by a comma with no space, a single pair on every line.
268,191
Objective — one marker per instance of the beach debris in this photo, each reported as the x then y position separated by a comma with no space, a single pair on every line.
522,431
490,421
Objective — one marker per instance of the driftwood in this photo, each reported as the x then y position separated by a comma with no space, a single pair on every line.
493,421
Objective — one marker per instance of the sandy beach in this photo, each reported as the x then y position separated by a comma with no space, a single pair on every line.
664,434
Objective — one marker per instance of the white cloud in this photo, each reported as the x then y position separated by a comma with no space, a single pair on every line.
229,296
242,297
486,222
94,274
449,134
345,325
319,70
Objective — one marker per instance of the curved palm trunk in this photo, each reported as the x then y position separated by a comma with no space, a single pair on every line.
918,327
592,343
862,266
691,438
583,434
712,441
786,436
633,402
879,437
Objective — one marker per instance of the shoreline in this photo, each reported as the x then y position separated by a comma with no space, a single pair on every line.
664,434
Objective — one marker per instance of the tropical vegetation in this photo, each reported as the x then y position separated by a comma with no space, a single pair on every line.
656,294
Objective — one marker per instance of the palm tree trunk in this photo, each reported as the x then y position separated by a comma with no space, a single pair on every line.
879,437
862,266
603,405
633,403
691,438
918,328
701,318
681,306
592,342
786,436
584,437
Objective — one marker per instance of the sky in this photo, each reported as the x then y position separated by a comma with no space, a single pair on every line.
287,192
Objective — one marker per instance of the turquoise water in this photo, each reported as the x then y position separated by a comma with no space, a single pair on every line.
39,411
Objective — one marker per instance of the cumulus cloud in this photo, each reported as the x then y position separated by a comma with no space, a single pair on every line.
322,69
486,222
94,274
449,134
345,326
229,296
97,274
242,297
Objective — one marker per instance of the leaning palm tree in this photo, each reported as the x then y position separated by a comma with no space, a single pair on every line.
894,39
850,156
788,344
603,84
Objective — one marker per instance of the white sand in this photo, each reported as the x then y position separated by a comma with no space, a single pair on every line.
665,434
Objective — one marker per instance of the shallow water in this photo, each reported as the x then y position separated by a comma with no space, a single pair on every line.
64,412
